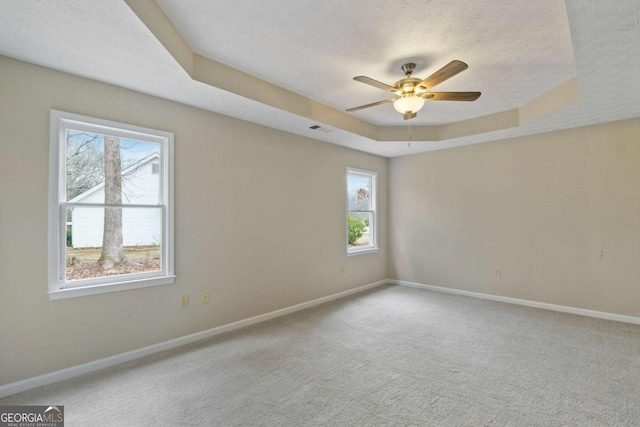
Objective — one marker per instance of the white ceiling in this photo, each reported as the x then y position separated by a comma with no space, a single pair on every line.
316,48
516,51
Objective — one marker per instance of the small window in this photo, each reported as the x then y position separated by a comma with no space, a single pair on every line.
361,215
111,206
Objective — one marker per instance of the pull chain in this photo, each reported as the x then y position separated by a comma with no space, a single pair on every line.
409,143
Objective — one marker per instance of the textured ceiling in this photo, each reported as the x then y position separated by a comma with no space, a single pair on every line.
315,48
516,50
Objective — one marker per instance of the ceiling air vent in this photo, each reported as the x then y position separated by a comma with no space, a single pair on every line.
321,129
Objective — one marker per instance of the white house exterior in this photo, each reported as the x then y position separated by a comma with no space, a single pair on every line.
140,226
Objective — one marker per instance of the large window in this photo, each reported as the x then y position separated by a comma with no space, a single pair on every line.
110,206
361,215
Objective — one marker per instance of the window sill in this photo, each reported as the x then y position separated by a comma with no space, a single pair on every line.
82,291
367,250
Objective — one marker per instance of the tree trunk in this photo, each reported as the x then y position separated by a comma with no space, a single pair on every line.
112,246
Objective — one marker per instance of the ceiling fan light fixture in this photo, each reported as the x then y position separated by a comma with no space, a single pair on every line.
410,92
408,103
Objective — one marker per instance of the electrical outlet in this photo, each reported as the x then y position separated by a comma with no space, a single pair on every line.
497,272
184,301
206,297
343,269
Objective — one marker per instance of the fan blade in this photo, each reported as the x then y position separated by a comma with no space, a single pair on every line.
444,73
373,104
375,83
450,96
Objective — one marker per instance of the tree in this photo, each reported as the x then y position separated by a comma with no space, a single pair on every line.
112,243
85,162
356,229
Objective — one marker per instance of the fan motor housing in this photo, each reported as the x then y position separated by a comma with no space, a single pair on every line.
407,85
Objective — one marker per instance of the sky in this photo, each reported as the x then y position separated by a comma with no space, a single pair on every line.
131,150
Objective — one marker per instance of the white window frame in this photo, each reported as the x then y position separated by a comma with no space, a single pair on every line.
373,230
59,288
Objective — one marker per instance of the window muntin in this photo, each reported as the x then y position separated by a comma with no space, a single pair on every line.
130,200
361,211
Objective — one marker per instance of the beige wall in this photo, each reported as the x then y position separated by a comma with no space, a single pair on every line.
558,213
260,222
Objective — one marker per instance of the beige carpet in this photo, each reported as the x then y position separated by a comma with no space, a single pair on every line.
394,356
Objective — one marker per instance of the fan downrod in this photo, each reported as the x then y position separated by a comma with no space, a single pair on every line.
408,68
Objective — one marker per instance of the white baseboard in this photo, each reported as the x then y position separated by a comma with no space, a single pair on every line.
535,304
63,374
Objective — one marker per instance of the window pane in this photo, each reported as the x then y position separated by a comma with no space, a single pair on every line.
360,225
359,192
85,162
107,169
136,235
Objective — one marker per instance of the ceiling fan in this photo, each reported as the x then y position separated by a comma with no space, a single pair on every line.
411,93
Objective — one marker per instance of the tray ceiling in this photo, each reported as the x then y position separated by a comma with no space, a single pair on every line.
316,48
289,65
